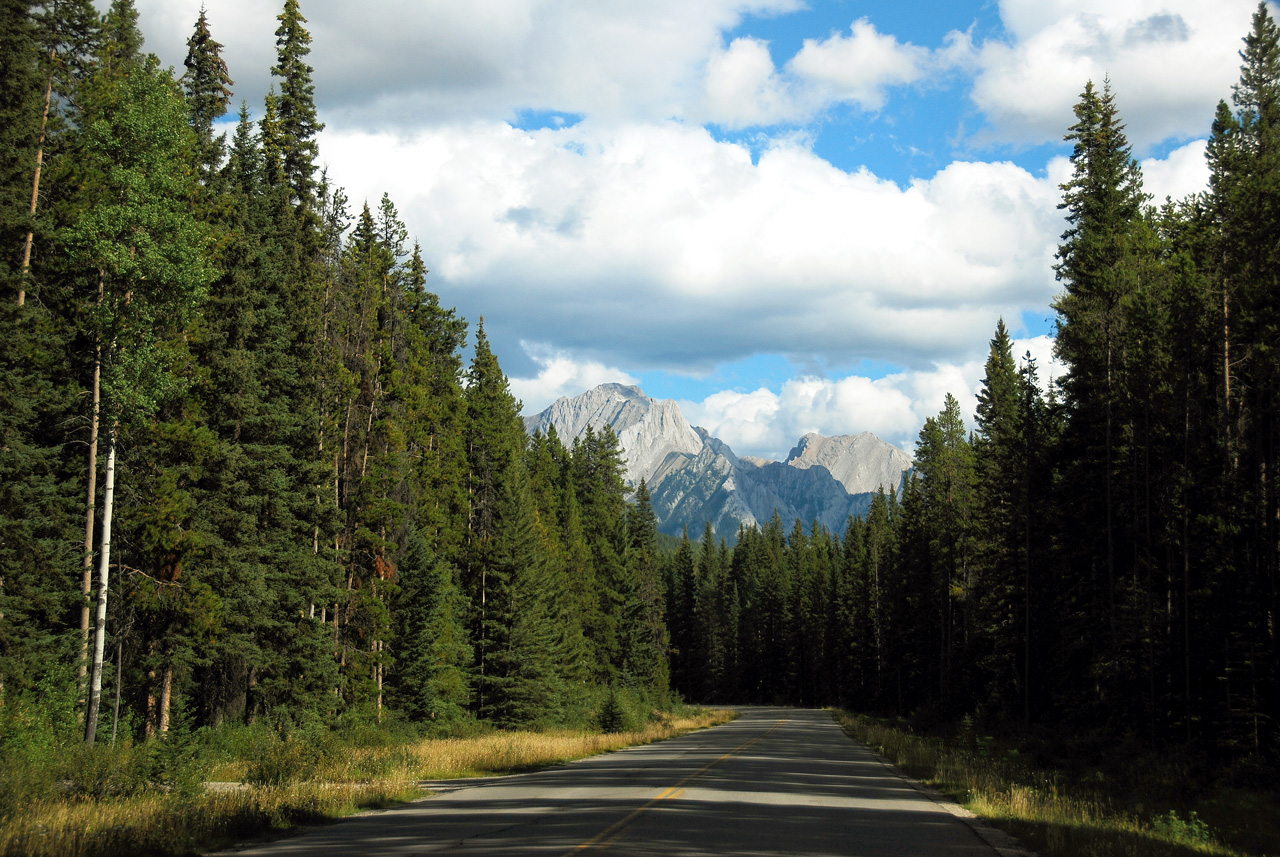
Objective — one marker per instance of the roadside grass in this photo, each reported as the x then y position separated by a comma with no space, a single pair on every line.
264,782
1079,815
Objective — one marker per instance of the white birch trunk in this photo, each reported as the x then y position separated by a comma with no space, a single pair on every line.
104,572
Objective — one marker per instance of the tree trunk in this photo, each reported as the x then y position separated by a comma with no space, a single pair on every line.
91,502
115,711
104,571
35,190
166,696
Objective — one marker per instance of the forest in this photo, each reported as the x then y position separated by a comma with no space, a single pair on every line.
247,475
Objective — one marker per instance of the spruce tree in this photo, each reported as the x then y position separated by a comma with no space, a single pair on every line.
207,84
296,105
645,627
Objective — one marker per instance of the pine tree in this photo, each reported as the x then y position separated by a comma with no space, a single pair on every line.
67,32
207,84
493,435
1244,157
296,105
122,41
944,460
35,506
520,684
1100,265
432,681
645,627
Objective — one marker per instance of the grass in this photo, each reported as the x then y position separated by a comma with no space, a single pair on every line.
285,782
1082,815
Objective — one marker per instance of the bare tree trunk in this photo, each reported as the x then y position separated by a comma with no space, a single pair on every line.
104,573
35,189
115,712
91,502
377,673
166,696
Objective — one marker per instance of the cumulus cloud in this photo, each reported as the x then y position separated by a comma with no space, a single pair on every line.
1168,62
857,68
407,63
559,374
767,424
657,246
744,88
1184,172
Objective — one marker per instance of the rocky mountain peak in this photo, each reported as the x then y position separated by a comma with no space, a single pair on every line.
862,463
694,477
648,430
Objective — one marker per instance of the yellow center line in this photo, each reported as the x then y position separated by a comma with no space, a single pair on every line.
610,834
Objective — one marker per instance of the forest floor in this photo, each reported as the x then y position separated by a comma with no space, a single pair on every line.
148,800
1136,807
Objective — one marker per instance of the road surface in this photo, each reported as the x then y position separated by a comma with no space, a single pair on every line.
775,781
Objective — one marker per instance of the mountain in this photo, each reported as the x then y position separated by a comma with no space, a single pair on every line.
695,478
648,430
861,463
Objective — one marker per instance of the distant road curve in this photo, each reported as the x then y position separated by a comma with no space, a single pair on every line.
775,781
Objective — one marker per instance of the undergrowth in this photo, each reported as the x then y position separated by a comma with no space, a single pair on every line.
1086,811
193,791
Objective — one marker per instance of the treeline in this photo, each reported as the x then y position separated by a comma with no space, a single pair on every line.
245,474
1102,559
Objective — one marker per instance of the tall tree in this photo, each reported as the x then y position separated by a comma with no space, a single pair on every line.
207,84
1100,267
150,251
296,105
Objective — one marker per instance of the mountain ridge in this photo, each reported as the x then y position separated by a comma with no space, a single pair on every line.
694,478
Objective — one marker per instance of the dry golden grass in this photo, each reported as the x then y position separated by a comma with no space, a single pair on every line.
1033,805
353,779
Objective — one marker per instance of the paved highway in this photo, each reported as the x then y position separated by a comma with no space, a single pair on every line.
775,781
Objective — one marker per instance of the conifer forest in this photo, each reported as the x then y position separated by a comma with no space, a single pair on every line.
249,472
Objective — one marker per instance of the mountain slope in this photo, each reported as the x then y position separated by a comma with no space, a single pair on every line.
861,463
648,430
695,478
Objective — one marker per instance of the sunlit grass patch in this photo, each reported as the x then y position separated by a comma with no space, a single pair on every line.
1049,814
280,782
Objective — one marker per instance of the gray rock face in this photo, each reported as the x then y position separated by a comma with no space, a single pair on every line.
648,430
695,478
861,463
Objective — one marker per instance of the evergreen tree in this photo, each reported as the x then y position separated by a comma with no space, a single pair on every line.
122,41
434,654
646,644
1100,268
944,461
1244,158
207,84
296,105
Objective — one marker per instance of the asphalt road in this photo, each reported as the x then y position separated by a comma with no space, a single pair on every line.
775,781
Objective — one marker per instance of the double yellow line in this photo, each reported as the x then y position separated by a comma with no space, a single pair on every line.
613,832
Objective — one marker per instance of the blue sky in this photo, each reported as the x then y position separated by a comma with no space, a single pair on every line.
788,216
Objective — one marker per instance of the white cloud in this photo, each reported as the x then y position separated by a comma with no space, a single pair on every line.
1168,62
559,374
656,246
409,63
857,68
744,88
768,424
1184,172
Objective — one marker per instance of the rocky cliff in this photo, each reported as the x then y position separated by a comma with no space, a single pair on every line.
695,478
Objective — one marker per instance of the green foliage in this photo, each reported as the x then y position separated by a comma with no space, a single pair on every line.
207,84
1173,827
611,717
297,110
